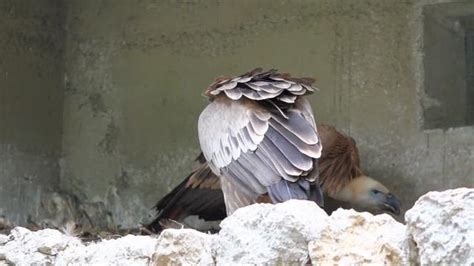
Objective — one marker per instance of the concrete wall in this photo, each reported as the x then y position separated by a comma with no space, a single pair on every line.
135,70
31,66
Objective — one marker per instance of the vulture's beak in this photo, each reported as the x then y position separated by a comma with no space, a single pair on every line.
392,204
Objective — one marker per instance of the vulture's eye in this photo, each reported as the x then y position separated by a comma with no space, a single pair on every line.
375,192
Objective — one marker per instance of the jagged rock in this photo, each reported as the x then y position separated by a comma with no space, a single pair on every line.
270,234
127,250
184,247
49,246
442,226
360,238
4,239
25,247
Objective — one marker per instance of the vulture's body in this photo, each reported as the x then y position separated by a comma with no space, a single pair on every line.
258,135
341,178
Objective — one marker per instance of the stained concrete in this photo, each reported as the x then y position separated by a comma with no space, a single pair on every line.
31,104
446,89
134,72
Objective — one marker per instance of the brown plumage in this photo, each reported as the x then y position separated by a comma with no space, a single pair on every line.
339,169
340,160
198,194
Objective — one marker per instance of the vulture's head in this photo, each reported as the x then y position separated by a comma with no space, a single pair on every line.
366,194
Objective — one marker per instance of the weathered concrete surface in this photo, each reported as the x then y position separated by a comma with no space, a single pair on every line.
136,69
31,103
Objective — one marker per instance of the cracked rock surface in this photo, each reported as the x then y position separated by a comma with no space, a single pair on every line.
439,230
352,237
442,226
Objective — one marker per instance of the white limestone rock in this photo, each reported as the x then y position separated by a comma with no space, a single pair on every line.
48,246
25,247
360,238
270,234
184,247
4,239
442,226
127,250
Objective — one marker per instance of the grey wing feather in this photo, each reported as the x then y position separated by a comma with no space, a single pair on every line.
259,125
258,167
265,153
234,196
241,173
268,147
310,150
260,153
285,190
297,124
290,151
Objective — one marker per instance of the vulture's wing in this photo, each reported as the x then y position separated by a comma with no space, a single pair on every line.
260,136
199,194
339,161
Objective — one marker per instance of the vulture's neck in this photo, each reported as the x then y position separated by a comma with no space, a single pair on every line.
354,189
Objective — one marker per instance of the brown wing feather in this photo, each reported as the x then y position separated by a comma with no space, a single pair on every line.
339,162
198,194
202,178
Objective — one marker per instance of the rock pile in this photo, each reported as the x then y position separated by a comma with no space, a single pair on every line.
442,226
439,230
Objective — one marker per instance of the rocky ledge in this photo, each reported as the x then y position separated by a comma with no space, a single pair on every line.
439,230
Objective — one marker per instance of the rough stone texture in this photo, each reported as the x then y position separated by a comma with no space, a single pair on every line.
25,247
184,247
442,226
270,234
127,250
352,237
48,246
31,104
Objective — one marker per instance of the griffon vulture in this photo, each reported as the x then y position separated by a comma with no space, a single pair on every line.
341,178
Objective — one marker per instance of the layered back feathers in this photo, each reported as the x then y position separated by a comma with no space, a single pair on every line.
280,88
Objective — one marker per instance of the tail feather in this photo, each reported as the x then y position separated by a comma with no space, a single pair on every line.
198,194
166,205
302,189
